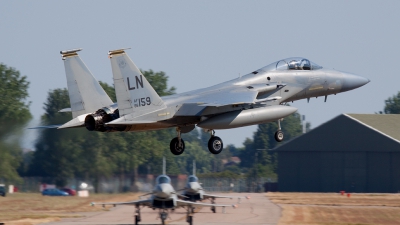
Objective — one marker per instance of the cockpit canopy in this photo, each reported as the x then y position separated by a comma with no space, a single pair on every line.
294,63
193,179
163,179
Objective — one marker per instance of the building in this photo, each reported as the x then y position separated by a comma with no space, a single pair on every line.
352,152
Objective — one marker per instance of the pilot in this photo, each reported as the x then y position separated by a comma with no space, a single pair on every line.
306,64
294,65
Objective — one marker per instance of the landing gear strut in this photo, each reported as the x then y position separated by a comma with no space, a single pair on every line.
177,145
189,217
215,144
137,216
163,216
279,134
213,207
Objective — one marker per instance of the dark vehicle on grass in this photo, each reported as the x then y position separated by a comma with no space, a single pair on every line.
2,190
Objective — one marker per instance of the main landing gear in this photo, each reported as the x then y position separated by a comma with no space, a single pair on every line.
177,145
213,207
215,144
279,134
137,216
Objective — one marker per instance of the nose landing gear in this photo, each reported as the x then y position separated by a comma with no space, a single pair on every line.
215,144
189,215
163,216
279,134
177,145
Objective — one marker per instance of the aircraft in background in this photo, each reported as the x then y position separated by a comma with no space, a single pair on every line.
193,191
258,97
163,198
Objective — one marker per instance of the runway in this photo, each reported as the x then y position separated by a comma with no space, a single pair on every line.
256,210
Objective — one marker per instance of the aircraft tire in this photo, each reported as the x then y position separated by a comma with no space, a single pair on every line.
190,220
215,145
175,148
279,136
137,220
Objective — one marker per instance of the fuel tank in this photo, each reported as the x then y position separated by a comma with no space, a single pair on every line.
247,117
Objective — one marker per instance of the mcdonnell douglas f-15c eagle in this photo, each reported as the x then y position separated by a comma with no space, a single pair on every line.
258,97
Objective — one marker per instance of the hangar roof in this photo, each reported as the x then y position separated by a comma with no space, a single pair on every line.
350,132
387,124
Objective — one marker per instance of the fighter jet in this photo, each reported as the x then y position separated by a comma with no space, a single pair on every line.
258,97
193,191
163,198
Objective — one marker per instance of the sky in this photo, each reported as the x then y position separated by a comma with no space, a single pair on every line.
202,43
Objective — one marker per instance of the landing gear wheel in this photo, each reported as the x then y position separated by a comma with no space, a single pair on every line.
190,220
279,136
177,148
215,145
163,217
213,209
137,220
192,209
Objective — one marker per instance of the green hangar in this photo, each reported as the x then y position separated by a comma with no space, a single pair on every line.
352,152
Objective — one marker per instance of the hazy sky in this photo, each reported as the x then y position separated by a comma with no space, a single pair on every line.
201,43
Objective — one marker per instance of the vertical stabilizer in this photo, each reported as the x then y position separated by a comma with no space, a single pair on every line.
164,168
135,95
194,168
85,93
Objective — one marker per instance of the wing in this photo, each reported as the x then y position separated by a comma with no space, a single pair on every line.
206,196
234,95
146,202
187,203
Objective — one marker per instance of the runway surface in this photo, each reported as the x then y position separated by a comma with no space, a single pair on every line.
256,210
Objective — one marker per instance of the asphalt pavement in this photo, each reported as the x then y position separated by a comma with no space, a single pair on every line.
256,210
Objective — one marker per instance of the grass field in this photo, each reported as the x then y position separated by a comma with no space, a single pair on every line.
33,208
335,209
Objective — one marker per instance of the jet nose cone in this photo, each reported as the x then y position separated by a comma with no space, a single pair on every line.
193,186
163,191
351,81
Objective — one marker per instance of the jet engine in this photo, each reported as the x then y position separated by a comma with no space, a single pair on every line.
96,121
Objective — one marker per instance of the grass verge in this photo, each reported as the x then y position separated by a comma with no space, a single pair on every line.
335,209
33,208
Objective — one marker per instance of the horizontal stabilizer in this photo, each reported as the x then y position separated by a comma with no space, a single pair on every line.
129,122
65,110
76,122
45,127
